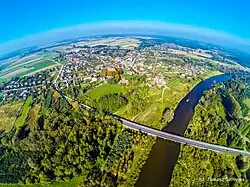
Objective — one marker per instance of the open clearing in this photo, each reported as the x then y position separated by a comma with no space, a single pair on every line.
211,74
104,90
72,183
15,66
25,110
247,102
27,69
195,55
42,69
9,114
167,97
116,41
16,72
28,64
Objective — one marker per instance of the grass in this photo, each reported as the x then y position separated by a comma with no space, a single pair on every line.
4,79
72,183
30,68
175,82
33,115
48,54
63,62
104,90
247,102
24,63
245,131
211,74
165,97
32,63
38,66
128,76
26,107
151,116
8,114
160,98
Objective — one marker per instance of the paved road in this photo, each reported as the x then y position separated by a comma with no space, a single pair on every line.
170,136
180,139
58,74
80,104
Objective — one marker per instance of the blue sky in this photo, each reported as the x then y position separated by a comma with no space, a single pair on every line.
22,18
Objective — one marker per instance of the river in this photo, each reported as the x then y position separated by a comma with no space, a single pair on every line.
157,171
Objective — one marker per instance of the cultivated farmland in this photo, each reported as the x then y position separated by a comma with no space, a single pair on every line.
27,65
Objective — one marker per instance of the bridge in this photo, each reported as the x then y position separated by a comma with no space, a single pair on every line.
180,139
169,136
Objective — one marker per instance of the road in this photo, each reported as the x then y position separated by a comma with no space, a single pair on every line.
180,139
58,74
80,104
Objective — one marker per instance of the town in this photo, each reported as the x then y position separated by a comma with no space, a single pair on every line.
84,64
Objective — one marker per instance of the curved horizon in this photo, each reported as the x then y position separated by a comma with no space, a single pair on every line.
128,27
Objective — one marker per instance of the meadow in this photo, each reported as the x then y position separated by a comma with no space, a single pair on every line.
247,102
9,114
104,90
26,65
72,183
26,107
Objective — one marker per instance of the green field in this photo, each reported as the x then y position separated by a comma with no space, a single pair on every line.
9,114
48,54
247,102
159,99
105,89
26,65
63,62
128,76
72,183
26,107
4,79
39,66
211,74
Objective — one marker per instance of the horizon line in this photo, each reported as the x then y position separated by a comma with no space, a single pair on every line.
159,28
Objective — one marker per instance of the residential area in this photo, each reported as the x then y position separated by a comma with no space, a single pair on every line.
95,62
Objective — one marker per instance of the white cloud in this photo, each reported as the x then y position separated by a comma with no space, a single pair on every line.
128,27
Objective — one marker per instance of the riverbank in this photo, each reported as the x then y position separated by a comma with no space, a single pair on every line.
160,164
212,123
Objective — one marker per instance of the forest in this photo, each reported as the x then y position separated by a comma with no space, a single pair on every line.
58,141
55,141
219,118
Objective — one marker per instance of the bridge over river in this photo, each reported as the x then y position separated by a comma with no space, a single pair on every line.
164,153
170,136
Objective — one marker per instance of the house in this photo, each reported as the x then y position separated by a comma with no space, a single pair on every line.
87,77
94,79
111,69
123,80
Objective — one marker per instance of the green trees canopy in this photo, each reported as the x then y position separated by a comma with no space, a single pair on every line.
111,102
